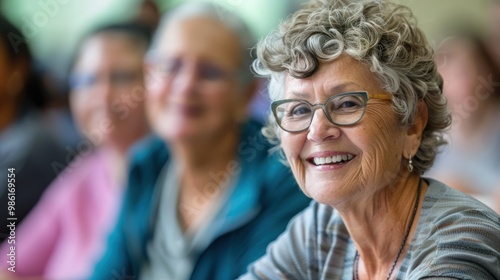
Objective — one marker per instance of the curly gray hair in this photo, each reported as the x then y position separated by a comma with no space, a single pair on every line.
380,34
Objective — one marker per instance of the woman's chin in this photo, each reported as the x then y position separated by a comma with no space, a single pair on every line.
329,194
181,136
321,194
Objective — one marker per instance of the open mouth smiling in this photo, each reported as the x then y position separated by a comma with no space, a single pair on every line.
331,160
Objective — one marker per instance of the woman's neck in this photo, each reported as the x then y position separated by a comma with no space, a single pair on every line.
378,224
205,171
199,157
116,150
117,163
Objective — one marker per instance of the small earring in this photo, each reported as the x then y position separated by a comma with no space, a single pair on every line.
410,163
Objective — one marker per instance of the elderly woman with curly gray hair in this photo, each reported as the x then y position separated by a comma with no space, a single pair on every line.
358,112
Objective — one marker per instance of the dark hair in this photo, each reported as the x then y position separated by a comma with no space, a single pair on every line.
138,33
18,51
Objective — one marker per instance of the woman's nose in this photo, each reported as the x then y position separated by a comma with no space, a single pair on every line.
321,129
102,93
185,81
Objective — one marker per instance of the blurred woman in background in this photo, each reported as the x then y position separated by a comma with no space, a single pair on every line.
66,232
204,199
25,145
471,162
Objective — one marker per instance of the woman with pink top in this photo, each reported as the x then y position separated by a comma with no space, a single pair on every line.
66,232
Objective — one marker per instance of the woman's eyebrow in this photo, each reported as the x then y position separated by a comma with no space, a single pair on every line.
340,88
300,94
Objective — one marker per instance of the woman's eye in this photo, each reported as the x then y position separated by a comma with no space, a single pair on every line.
346,103
170,66
300,110
210,72
82,80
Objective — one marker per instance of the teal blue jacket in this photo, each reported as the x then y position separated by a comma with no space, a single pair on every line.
263,201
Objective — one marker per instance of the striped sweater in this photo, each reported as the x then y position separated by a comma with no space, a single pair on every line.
457,237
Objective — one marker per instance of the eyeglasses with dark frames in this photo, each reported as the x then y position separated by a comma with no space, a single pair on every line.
343,109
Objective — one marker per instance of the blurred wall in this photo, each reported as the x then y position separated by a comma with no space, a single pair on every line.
53,27
436,16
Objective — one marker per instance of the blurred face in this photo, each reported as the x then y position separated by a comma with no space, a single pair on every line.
108,91
335,164
459,70
194,93
466,74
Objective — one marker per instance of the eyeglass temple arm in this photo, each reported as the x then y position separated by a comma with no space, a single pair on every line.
379,96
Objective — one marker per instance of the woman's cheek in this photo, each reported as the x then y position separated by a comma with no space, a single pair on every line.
292,147
383,149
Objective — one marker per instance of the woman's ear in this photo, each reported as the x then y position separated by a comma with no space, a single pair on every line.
415,131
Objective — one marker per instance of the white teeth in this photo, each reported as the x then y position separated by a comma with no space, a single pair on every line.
332,159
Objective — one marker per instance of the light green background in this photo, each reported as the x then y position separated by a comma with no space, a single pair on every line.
54,31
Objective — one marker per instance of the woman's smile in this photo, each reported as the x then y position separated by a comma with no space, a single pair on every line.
329,160
189,111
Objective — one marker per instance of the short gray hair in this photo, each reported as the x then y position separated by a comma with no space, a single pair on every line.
378,33
215,12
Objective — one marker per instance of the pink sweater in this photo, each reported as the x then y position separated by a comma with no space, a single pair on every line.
66,232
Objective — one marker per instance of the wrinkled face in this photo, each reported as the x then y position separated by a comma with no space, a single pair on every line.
194,92
370,152
107,96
